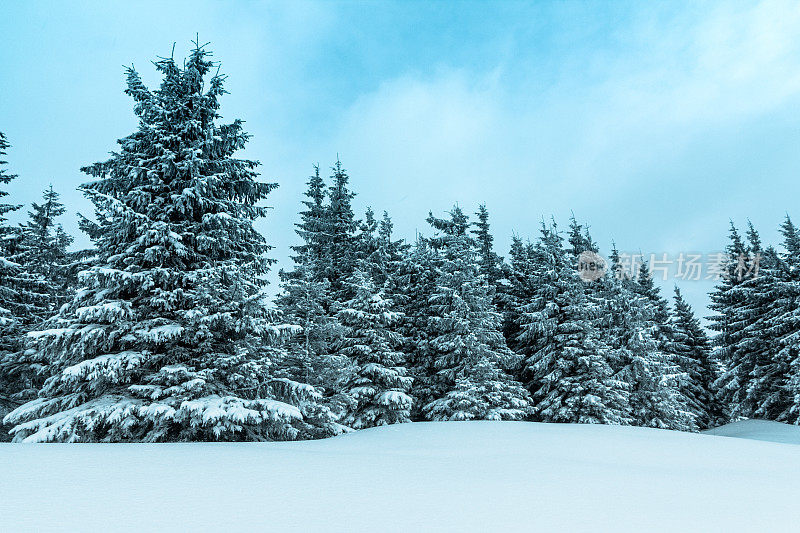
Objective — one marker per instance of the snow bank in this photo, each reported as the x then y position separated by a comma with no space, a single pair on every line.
759,430
455,476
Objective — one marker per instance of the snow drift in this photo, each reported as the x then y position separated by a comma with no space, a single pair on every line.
457,476
759,430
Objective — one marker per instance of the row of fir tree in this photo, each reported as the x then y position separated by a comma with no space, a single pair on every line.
163,331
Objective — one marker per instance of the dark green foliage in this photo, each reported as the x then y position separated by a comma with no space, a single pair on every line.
692,349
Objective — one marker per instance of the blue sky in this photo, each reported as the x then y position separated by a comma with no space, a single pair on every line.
654,123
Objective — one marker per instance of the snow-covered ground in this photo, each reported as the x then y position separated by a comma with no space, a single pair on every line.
759,430
455,476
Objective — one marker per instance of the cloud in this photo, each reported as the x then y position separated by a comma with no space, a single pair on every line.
630,108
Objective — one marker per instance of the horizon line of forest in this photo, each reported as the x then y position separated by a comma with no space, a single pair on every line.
163,332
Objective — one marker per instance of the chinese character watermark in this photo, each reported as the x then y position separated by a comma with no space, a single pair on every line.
683,266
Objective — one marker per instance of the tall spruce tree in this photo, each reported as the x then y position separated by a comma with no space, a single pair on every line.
367,242
22,291
411,287
10,323
760,304
758,323
784,370
311,228
305,299
488,261
579,239
305,302
694,356
9,292
646,287
517,289
776,289
43,250
379,385
566,364
46,275
340,227
389,254
169,340
378,253
726,300
465,341
23,299
649,365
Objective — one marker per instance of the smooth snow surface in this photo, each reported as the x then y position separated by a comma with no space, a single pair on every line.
759,430
451,476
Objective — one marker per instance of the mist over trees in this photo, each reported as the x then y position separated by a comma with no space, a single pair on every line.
163,331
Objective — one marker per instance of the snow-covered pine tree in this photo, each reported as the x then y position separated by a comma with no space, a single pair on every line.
791,239
516,289
772,391
22,292
411,287
169,339
46,279
488,261
304,302
792,413
725,301
9,293
23,297
465,342
311,229
694,356
759,321
579,240
646,287
759,304
785,329
340,227
377,252
380,384
43,250
566,364
305,298
389,254
646,362
367,242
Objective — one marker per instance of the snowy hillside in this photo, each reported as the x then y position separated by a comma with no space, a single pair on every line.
759,430
470,476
